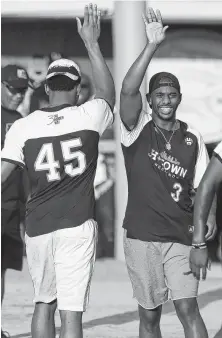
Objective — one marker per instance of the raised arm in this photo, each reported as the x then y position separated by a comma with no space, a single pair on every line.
130,100
90,32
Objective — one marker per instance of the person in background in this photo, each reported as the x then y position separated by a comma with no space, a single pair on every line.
210,185
86,92
15,82
103,186
215,245
206,192
37,72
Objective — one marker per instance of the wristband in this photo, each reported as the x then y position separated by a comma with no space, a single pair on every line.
199,246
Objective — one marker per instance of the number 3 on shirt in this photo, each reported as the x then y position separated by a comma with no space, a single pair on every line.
177,191
46,159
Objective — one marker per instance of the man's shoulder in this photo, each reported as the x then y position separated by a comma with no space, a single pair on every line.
24,124
95,103
192,133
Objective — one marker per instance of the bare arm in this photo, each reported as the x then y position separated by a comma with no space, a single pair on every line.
130,97
130,100
204,198
6,170
90,32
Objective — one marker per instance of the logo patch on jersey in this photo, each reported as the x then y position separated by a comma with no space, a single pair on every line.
8,126
55,118
191,229
188,141
168,164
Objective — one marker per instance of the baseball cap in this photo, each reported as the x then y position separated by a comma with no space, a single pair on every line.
163,79
15,76
64,67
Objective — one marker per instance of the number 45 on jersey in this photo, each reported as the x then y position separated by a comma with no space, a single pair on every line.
46,160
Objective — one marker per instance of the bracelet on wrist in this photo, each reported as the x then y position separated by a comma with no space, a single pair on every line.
199,246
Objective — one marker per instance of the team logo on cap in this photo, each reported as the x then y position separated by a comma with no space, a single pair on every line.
21,73
188,141
165,81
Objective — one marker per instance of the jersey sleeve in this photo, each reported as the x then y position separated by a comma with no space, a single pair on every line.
201,163
100,114
218,152
14,144
128,137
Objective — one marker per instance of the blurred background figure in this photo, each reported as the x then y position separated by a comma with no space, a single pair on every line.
104,184
14,85
86,92
37,70
38,67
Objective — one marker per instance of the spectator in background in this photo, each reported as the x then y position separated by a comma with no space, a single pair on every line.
215,245
86,92
207,189
37,72
13,88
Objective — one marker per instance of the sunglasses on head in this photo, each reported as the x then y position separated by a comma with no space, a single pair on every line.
13,90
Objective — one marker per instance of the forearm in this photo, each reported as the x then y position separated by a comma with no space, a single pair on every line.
203,202
103,80
136,73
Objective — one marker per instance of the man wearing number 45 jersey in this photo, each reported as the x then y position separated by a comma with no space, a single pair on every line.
58,146
165,160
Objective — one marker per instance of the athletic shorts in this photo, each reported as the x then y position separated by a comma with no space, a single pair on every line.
61,264
156,271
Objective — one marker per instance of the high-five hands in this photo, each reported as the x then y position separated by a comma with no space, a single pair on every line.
90,30
154,26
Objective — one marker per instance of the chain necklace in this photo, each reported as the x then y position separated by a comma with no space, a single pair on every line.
167,144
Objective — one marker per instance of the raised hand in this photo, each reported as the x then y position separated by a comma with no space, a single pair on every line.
154,26
90,30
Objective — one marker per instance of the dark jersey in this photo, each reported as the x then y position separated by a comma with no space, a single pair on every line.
59,148
12,190
161,182
218,151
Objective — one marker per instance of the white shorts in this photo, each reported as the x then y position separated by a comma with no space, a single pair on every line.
61,264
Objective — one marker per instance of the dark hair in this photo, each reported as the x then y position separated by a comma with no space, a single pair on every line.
61,83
